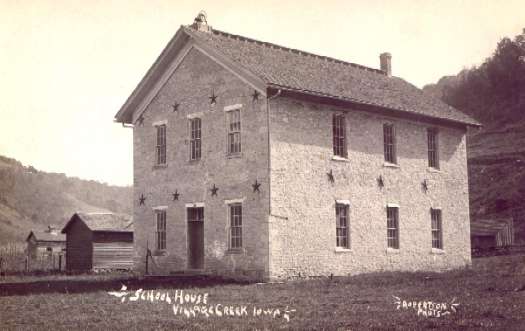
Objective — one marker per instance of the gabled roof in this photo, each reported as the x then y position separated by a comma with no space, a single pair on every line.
104,222
294,70
46,236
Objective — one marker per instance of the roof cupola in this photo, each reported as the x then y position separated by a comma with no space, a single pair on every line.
200,23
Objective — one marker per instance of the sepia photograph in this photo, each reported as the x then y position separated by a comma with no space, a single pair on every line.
286,165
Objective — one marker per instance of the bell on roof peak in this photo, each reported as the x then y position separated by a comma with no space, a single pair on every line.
200,23
201,17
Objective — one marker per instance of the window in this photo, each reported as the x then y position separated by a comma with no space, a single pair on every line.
341,231
234,131
160,216
437,230
389,143
195,139
433,156
196,214
392,215
235,226
161,144
339,135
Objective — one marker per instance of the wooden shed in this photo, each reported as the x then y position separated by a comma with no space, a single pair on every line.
492,233
99,241
45,249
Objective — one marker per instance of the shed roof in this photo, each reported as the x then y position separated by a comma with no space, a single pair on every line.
46,236
490,226
103,222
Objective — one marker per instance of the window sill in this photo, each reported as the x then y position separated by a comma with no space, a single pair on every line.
437,251
234,156
161,252
391,250
390,165
342,250
160,166
196,161
235,251
339,158
434,170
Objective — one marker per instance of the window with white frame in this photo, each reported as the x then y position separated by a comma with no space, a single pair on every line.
195,139
341,230
160,218
235,226
437,229
161,144
432,141
234,131
392,221
389,139
339,135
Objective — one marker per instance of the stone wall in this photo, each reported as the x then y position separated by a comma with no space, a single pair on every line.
302,222
191,85
295,234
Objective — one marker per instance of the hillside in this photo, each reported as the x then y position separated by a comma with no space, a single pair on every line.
494,93
32,199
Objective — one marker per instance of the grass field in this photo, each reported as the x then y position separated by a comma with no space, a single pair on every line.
57,276
491,296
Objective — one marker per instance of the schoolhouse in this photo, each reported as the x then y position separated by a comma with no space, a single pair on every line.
256,159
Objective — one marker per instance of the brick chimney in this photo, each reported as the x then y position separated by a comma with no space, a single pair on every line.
52,229
385,60
200,23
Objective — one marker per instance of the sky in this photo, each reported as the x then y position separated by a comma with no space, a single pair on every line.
66,67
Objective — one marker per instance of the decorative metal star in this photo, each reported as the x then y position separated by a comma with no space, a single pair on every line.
256,186
380,181
175,106
424,185
255,95
214,190
142,199
331,176
140,120
213,98
175,195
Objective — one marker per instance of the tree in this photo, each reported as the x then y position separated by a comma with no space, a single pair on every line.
494,91
506,70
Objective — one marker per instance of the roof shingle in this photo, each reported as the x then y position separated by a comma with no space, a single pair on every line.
313,74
